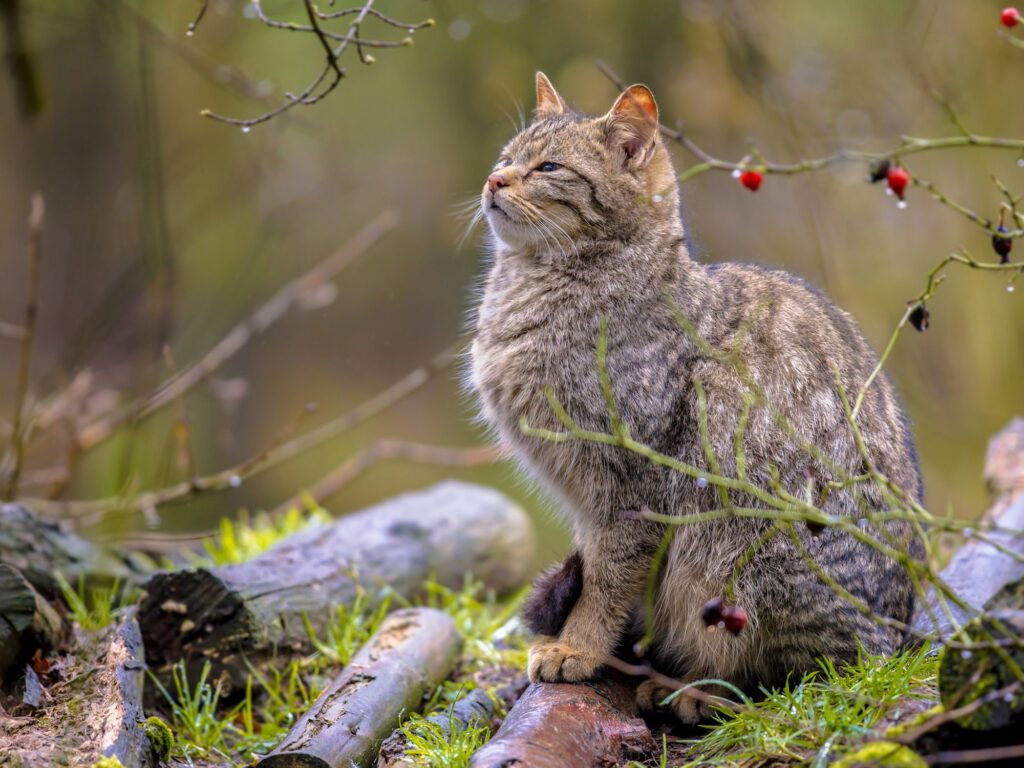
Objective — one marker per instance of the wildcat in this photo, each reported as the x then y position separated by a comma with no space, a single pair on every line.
584,221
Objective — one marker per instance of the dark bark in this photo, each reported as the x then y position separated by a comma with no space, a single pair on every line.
979,570
411,653
27,622
258,607
570,726
39,548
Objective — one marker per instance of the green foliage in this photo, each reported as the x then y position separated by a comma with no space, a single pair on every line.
828,712
349,628
241,540
443,745
486,624
198,728
96,608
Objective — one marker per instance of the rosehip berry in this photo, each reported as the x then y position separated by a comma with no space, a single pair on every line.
898,179
878,170
1010,17
751,180
1002,245
920,317
735,619
712,611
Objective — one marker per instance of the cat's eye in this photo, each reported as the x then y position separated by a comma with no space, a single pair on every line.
548,167
504,162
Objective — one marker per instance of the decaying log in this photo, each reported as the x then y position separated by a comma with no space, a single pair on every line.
556,725
982,567
27,622
39,548
94,712
444,532
479,707
411,653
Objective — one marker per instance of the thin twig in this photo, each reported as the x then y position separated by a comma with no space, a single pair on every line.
90,511
241,334
17,444
391,450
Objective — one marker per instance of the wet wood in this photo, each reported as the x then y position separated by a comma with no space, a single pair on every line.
570,726
259,608
411,653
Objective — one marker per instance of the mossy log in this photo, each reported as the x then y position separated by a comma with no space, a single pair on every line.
412,652
261,606
27,622
986,682
39,548
557,725
96,713
983,567
479,707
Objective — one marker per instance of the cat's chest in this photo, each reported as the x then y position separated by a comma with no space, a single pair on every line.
531,339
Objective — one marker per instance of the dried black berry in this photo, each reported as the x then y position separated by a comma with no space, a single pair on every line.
878,170
712,612
920,317
1002,245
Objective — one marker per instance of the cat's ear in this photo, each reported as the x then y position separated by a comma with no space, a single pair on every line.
632,124
549,103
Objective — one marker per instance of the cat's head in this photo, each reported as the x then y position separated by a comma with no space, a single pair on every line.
568,179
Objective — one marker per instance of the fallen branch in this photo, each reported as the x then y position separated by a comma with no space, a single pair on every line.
445,532
39,548
479,707
411,653
988,561
557,725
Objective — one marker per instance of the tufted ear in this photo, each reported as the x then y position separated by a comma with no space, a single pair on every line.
633,124
549,103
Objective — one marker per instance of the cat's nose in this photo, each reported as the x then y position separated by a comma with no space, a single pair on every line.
496,180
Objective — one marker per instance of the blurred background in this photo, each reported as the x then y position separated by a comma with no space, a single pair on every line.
163,227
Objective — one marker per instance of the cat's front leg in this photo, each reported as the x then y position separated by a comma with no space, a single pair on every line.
616,561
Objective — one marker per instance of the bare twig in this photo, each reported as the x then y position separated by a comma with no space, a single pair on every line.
391,450
241,334
90,511
332,73
17,444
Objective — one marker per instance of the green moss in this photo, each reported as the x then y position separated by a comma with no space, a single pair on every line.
885,754
161,739
899,729
107,762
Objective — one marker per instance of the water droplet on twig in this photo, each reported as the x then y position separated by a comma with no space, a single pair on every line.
702,482
246,128
234,481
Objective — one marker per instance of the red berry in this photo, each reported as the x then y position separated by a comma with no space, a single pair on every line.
1010,17
898,179
751,180
735,619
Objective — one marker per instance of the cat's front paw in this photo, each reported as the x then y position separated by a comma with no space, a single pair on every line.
552,661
